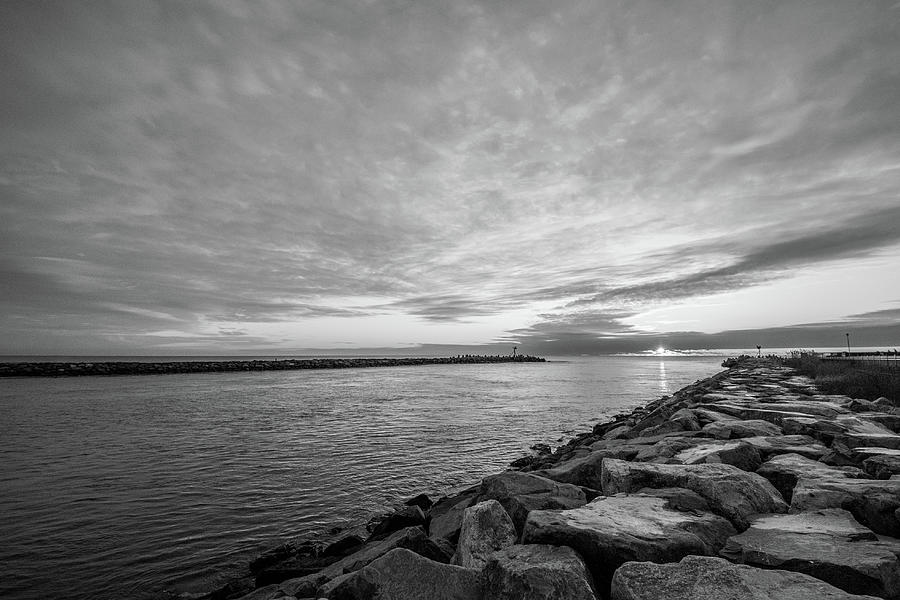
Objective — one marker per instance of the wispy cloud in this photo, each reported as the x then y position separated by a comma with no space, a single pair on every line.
215,169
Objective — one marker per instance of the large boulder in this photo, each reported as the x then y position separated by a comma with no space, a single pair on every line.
874,503
401,518
730,492
827,544
731,429
849,429
536,572
445,516
740,454
614,529
681,420
521,493
783,471
585,470
404,575
411,538
486,528
707,578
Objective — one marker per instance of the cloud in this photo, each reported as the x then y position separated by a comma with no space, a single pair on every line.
222,167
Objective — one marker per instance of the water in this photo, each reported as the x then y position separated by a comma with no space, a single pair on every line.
133,486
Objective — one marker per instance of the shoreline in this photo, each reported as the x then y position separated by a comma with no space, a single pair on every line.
716,481
108,368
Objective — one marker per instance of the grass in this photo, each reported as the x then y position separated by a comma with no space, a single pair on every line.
854,378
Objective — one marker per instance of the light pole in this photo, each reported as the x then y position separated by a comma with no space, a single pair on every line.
848,342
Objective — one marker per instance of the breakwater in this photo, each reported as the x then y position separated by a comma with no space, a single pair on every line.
71,369
751,483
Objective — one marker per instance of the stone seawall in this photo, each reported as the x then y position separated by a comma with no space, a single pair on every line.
748,484
70,369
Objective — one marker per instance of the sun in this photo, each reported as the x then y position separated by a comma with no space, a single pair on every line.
660,350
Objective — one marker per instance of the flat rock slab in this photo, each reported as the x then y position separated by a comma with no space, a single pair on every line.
486,528
730,492
803,445
611,530
404,575
783,471
879,440
740,454
827,429
536,571
732,429
706,578
521,493
827,544
747,413
874,503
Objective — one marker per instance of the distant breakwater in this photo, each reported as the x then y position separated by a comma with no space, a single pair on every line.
72,369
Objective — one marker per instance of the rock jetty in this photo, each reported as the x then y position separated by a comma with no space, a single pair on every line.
69,369
748,484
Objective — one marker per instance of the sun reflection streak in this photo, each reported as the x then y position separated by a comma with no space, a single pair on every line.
663,382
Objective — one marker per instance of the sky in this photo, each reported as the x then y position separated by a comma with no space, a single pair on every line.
571,177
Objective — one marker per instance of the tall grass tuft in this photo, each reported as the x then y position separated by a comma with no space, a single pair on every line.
854,378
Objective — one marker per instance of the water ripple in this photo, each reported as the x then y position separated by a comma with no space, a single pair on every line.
128,486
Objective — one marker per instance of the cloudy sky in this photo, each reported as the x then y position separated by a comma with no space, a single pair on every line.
572,176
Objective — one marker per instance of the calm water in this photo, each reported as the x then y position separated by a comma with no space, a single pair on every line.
130,486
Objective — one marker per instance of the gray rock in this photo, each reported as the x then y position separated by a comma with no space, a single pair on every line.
882,467
586,470
847,428
872,502
827,544
537,572
411,538
616,433
787,444
783,471
268,592
445,516
707,578
889,421
725,430
520,493
611,530
679,499
401,518
860,405
303,587
883,403
681,420
404,575
880,440
486,528
755,412
730,492
665,449
740,454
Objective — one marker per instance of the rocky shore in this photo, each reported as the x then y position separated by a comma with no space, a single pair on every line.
748,484
69,369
